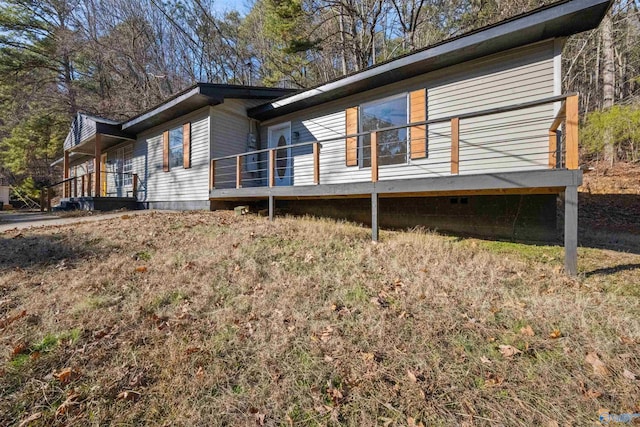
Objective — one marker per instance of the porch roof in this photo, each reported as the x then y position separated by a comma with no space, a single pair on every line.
559,19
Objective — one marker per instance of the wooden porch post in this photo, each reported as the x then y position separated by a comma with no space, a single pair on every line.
272,168
316,163
571,230
65,166
238,171
212,175
571,128
96,164
455,146
374,157
82,184
89,184
135,186
75,186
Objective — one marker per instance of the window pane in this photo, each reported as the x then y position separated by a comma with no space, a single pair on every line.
392,144
175,147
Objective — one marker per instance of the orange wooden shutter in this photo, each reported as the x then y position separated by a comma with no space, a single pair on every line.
352,142
165,151
186,145
418,113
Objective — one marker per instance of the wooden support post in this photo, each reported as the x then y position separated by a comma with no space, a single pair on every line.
239,172
374,157
571,230
96,165
75,186
49,197
42,200
212,175
135,186
89,181
553,148
571,129
82,184
272,168
455,146
65,166
316,163
272,207
374,216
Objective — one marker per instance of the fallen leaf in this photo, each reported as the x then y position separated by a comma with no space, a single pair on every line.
626,340
485,360
200,372
18,349
71,400
411,422
555,334
599,368
629,375
30,418
10,319
493,380
141,269
508,350
64,376
412,376
192,350
592,394
35,355
125,217
527,331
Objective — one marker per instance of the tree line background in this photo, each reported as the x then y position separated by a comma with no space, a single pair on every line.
117,58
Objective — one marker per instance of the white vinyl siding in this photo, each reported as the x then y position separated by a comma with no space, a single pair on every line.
512,141
179,184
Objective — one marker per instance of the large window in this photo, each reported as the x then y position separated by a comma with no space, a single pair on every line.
392,144
176,157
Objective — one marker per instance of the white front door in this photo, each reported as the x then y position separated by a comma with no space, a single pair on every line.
280,136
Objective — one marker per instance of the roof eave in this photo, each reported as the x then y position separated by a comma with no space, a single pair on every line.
559,20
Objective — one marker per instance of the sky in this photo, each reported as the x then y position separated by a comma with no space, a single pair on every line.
221,6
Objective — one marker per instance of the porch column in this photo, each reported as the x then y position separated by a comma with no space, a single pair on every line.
571,230
96,166
374,216
66,173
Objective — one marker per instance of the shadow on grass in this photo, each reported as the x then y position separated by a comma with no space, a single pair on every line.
41,250
612,270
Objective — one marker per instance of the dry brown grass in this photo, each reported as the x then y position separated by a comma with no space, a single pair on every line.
212,319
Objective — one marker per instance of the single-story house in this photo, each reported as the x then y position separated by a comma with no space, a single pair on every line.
475,133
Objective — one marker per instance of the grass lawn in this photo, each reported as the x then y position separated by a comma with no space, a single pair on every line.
211,319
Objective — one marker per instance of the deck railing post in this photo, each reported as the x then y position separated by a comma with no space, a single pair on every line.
455,146
239,172
135,186
571,128
82,184
75,186
272,168
374,157
212,175
316,163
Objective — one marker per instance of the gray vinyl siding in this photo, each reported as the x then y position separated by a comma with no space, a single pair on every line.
512,141
179,184
230,130
81,129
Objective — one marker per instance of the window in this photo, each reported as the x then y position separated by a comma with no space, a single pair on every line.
124,165
392,144
176,157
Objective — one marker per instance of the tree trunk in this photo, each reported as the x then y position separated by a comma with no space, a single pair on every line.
608,82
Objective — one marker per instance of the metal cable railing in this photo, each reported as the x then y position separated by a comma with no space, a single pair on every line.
526,138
